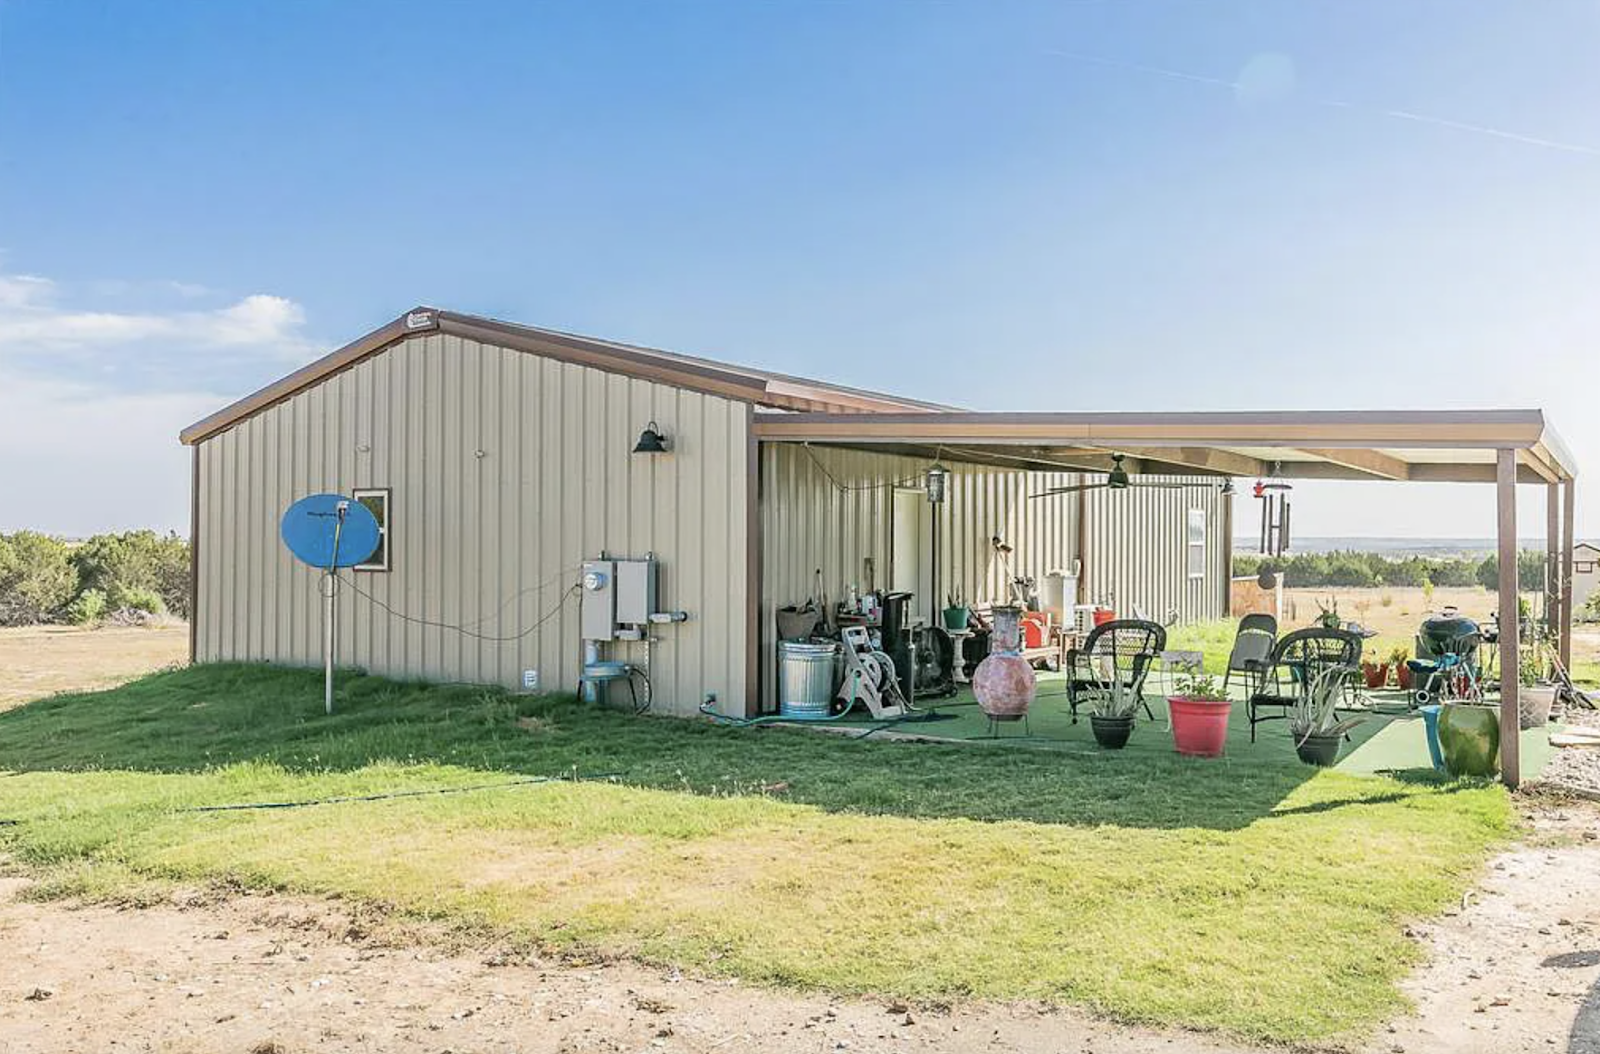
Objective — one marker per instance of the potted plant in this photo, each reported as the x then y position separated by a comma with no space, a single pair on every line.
1376,674
1402,667
1397,662
956,613
1328,614
1199,713
1112,707
1315,724
1536,693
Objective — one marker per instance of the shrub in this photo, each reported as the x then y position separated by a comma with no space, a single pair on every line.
131,566
146,600
37,578
89,606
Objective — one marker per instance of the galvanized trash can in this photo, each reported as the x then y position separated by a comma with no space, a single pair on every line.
805,678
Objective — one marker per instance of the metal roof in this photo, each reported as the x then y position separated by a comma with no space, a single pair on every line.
1410,445
761,387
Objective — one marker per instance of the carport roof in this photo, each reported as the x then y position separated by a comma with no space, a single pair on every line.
1416,445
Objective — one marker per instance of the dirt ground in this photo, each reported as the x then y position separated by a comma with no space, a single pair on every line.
1516,969
40,660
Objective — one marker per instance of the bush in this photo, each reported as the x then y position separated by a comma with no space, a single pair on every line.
146,600
89,606
37,578
130,567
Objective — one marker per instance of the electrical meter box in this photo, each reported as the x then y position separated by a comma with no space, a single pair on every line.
597,608
636,591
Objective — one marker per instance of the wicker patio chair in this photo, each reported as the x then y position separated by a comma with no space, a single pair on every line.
1296,661
1123,649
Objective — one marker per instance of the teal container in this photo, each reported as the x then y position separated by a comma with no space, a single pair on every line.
1430,724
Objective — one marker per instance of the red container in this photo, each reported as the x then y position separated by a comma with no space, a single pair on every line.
1103,615
1034,629
1199,726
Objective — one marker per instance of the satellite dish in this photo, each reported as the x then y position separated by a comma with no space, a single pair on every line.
311,526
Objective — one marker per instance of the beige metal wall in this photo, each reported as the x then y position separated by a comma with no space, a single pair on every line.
507,470
809,523
1136,556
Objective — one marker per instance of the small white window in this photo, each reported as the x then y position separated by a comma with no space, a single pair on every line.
1583,567
376,499
1197,543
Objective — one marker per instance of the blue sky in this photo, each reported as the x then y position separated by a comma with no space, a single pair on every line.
1125,204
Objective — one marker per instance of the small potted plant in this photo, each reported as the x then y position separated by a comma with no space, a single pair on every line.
1328,614
1315,724
956,613
1402,669
1536,692
1112,707
1376,674
1199,713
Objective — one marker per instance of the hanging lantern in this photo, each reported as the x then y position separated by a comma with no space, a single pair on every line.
935,481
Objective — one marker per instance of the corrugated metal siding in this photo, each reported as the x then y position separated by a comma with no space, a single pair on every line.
488,542
1136,555
808,524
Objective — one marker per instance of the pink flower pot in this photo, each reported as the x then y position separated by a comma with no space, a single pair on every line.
1199,726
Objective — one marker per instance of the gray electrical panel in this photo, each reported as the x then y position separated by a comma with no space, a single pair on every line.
636,592
597,607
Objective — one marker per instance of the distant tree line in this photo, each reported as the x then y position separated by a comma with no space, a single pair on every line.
47,579
1350,569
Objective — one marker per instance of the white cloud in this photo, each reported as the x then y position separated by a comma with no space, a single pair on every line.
33,320
93,395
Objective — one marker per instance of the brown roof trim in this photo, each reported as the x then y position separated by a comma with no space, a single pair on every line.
773,390
1326,431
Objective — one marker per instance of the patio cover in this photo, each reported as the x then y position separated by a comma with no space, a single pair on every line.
1503,447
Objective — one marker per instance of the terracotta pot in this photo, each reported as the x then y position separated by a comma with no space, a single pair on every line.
1199,726
1469,739
1402,676
1376,673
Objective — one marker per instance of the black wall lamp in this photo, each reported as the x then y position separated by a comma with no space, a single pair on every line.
651,441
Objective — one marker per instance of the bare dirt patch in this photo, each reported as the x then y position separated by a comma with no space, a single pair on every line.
36,661
270,973
1517,967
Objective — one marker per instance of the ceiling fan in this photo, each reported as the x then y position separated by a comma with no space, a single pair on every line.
1118,479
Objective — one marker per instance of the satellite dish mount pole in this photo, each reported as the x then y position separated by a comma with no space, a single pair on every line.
330,589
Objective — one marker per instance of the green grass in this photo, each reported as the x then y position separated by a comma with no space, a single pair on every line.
1249,896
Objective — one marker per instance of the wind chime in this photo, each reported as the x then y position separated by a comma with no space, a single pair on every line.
1273,493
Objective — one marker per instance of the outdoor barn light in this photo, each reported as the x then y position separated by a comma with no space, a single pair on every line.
651,441
935,480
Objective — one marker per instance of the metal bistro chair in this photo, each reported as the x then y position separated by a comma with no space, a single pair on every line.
1252,650
1123,649
1298,659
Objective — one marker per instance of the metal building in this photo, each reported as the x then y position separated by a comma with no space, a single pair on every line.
502,457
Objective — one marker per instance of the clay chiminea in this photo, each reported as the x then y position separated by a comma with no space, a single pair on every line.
1004,682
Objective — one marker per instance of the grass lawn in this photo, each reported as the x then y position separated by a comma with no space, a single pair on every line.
1249,895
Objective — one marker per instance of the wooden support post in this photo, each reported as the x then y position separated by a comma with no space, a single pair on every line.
1510,629
1552,557
1564,645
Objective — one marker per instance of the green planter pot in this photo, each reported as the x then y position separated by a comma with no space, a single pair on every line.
1469,739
